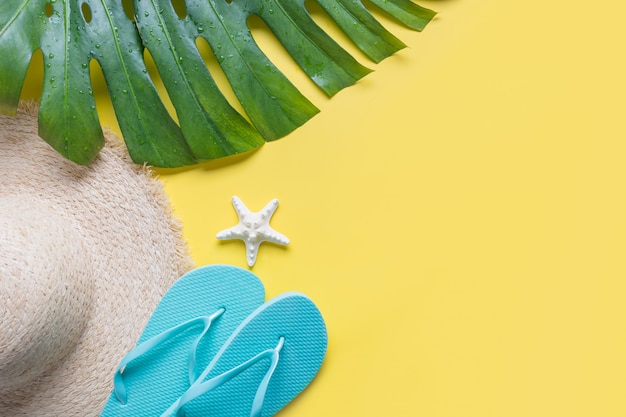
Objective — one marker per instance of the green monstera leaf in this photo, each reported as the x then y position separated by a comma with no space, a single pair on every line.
72,33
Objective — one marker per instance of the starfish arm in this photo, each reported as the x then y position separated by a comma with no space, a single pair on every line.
269,209
230,233
271,235
240,207
252,249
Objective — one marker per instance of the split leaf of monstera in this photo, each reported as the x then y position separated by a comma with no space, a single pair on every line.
72,33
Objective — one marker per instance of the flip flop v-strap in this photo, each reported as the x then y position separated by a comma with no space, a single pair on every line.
119,388
204,387
270,358
193,320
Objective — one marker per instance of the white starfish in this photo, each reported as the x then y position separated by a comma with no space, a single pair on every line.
253,228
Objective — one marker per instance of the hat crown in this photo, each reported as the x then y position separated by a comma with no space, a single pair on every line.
45,287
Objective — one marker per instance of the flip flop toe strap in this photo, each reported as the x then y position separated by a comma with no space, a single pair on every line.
119,387
200,388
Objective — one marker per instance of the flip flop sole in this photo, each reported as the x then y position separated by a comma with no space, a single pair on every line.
295,318
156,379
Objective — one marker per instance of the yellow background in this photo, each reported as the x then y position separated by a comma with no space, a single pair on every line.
459,216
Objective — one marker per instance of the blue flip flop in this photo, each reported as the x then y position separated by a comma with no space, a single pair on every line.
192,322
269,359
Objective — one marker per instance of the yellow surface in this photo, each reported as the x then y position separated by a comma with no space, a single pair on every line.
459,217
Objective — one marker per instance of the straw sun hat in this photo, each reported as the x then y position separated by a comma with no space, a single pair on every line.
86,253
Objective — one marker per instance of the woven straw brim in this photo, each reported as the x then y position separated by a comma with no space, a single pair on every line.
87,253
